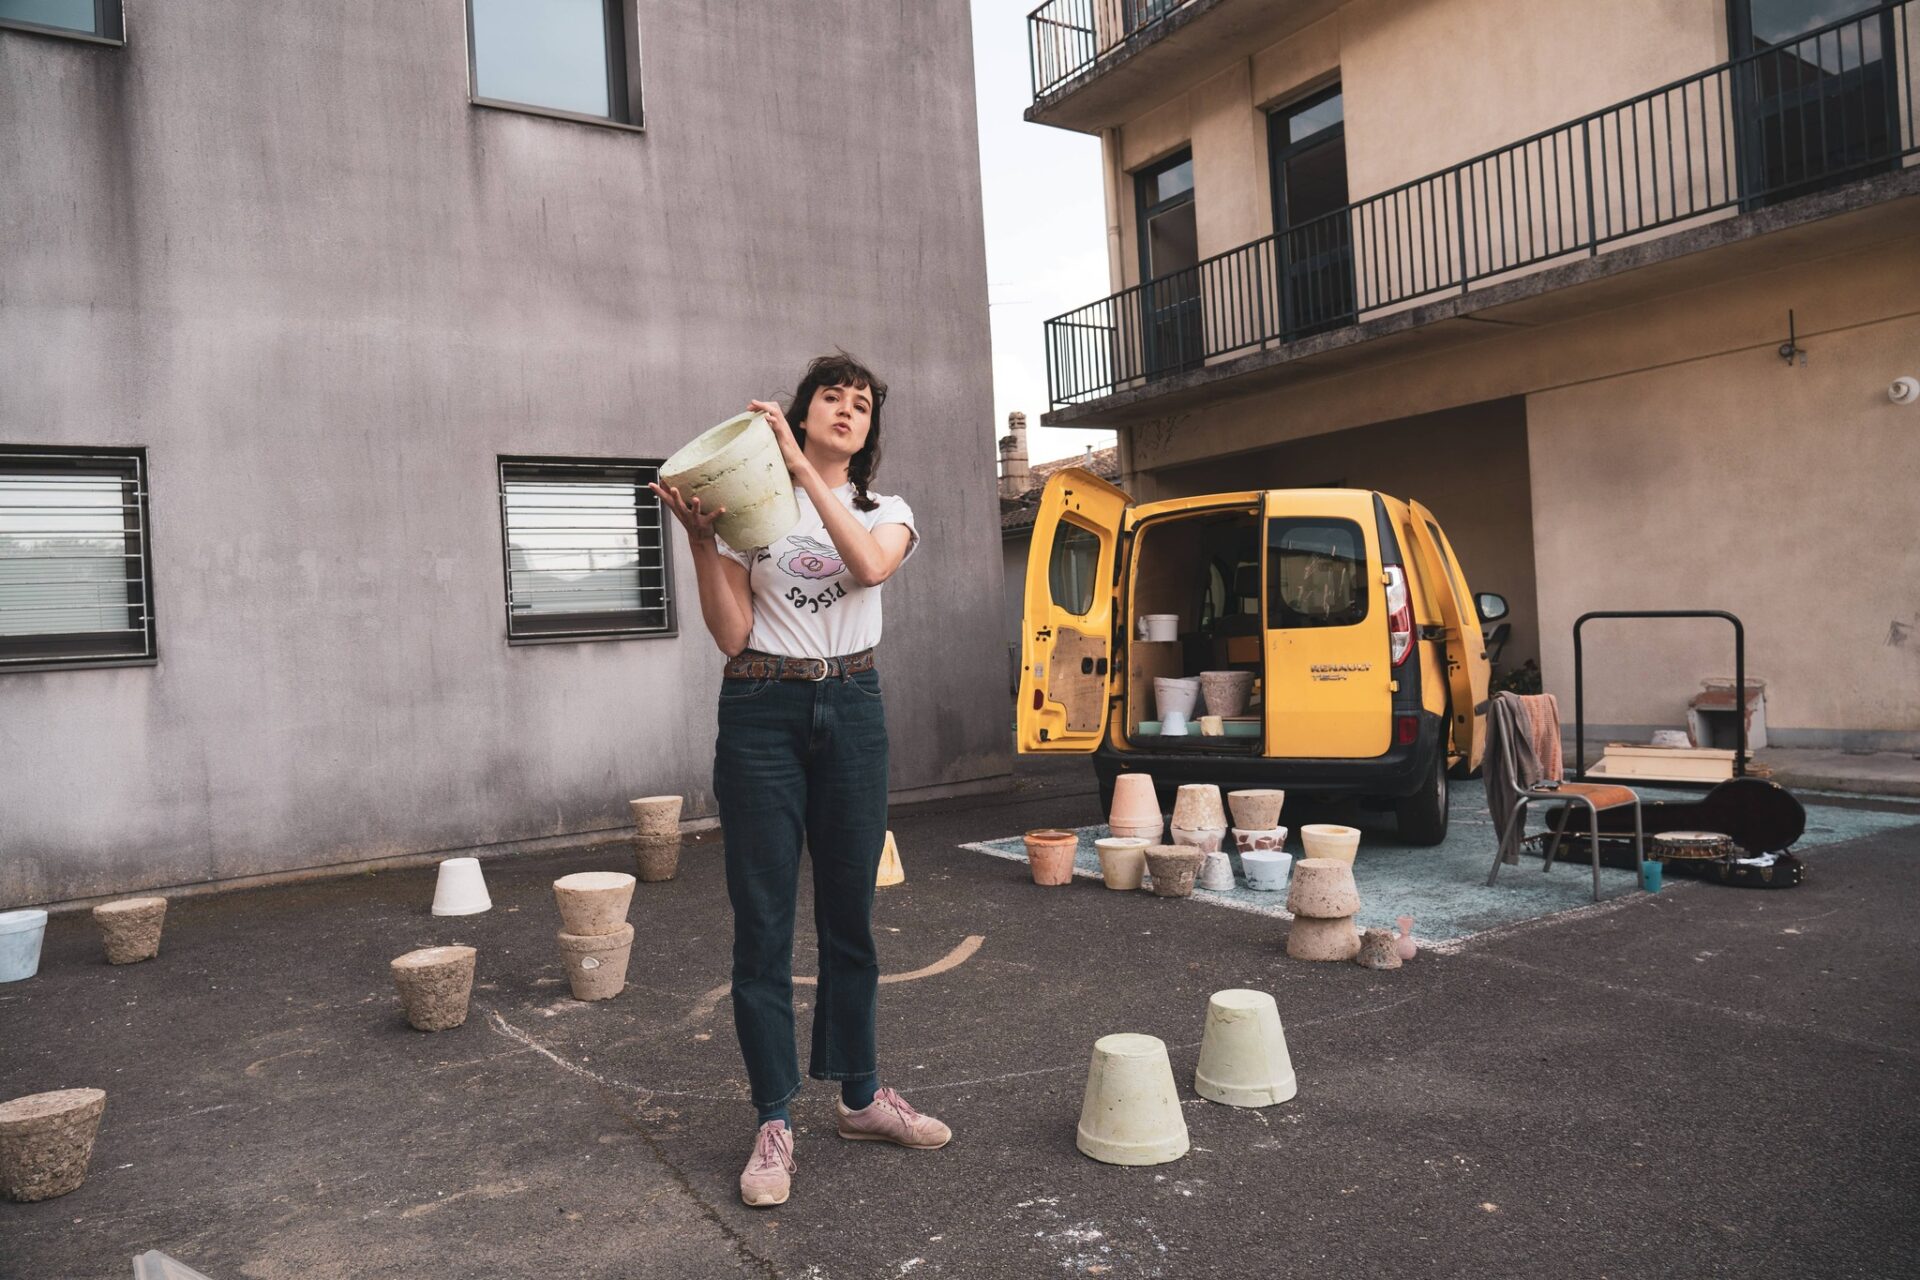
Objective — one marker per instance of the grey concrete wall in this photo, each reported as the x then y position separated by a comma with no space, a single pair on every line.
276,246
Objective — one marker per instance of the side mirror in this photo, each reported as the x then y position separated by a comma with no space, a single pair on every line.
1492,607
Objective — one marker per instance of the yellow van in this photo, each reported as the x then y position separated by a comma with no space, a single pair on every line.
1347,605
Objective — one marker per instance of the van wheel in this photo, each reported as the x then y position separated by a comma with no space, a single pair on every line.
1423,815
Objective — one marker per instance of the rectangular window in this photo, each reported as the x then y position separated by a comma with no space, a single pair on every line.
586,550
1316,573
571,58
97,18
74,571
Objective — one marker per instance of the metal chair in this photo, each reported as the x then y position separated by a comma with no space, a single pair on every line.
1596,796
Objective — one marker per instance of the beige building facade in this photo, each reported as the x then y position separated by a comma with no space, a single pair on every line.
1621,292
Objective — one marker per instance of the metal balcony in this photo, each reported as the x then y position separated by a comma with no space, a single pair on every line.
1827,108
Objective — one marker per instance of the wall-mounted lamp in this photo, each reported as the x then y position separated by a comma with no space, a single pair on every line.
1904,391
1791,347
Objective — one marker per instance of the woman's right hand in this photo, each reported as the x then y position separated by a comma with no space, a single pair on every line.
696,521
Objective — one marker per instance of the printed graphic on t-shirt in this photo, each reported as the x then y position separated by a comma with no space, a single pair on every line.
811,559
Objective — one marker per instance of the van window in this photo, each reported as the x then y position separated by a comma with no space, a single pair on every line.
1316,573
1076,555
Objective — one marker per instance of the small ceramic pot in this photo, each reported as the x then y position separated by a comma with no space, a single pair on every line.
597,963
1403,940
1198,807
1377,950
656,818
1174,725
130,928
1173,869
46,1140
1323,889
1245,841
1256,809
1266,871
435,984
1226,691
1175,693
1123,861
1050,856
1327,840
1323,940
1134,800
593,902
1206,839
1216,873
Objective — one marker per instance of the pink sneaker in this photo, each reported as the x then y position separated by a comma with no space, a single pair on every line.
888,1118
768,1178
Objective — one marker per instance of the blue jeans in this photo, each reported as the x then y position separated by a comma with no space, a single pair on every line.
803,761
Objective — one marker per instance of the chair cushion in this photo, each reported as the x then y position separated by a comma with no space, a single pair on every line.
1604,795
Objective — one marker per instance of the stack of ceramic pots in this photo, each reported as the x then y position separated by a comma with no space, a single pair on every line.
656,840
1323,901
1259,838
1050,855
1136,808
1199,820
595,938
1226,691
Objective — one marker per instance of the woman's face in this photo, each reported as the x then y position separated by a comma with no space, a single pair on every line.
839,419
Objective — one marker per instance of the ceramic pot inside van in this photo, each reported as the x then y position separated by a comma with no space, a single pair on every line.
1175,693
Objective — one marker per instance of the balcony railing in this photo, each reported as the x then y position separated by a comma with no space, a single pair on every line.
1828,107
1065,37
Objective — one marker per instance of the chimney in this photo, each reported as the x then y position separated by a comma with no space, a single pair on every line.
1013,457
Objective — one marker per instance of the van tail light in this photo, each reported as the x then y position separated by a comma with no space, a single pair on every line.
1406,730
1399,614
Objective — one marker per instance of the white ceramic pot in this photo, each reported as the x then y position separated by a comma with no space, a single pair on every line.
1123,861
1266,870
21,933
1175,725
1131,1113
1243,1052
461,890
737,465
1216,872
1175,693
1205,839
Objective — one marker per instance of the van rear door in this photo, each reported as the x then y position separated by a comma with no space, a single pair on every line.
1066,638
1468,674
1329,668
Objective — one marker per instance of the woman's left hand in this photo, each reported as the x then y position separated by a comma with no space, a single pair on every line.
790,451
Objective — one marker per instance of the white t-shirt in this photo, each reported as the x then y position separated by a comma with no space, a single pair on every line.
805,602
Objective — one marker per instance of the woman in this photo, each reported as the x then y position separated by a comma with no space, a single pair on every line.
802,758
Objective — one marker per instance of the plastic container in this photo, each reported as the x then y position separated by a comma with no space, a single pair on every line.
1161,627
461,890
737,465
1243,1052
21,933
1131,1113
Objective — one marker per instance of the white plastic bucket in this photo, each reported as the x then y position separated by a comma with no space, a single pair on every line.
1162,626
21,933
737,465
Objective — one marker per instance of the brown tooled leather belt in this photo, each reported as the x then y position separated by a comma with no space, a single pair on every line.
752,665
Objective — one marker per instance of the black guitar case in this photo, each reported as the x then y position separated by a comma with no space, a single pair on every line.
1760,816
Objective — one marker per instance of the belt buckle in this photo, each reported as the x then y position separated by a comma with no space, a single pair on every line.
825,670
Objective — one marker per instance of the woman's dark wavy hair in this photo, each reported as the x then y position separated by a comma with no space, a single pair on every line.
842,370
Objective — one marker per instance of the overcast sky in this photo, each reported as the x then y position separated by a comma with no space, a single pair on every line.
1046,232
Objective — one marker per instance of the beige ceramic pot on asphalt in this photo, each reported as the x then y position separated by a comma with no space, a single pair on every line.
1123,861
1050,855
46,1140
1243,1052
1256,809
1322,940
597,963
656,817
1198,808
1131,1113
130,928
1328,840
1378,950
435,984
1173,869
593,902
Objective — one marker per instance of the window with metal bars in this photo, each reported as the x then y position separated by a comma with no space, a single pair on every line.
75,581
585,550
